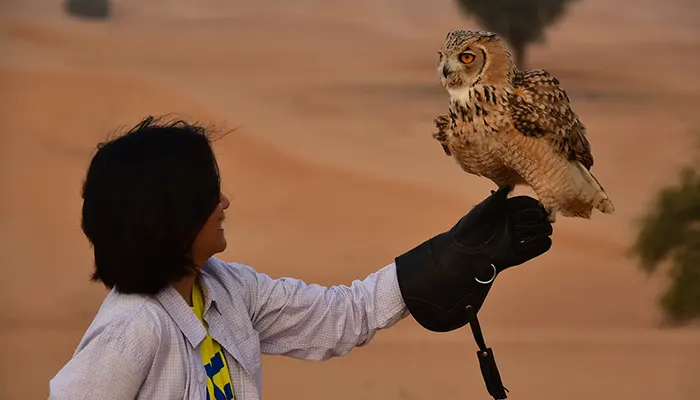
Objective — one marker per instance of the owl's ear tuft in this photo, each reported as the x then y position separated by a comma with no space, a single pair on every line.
451,32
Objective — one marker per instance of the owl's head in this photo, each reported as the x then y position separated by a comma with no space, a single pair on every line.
467,58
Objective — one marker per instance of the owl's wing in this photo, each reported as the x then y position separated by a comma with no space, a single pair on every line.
442,123
539,107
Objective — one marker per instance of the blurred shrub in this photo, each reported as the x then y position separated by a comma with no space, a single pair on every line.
671,231
519,22
98,9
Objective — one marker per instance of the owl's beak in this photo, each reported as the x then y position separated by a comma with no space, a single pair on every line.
446,70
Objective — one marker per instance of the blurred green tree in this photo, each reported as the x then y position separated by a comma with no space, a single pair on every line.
671,231
519,22
97,9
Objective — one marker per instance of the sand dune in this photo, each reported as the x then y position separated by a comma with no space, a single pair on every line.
333,172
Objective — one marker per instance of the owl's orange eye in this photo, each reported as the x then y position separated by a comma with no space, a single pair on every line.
466,58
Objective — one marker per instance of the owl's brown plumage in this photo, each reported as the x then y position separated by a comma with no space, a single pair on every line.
515,127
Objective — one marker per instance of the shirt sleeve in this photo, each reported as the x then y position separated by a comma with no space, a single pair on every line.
314,322
105,365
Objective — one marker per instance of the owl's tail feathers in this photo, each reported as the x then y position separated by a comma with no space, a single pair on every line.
593,192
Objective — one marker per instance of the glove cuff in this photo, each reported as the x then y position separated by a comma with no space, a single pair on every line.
438,282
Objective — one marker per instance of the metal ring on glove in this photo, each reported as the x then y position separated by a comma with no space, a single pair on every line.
495,272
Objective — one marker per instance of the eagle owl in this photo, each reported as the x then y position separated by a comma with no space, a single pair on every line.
515,127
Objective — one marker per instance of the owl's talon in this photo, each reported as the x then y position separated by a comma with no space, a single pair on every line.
551,214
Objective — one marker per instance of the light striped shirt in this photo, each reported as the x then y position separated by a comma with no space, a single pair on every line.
146,347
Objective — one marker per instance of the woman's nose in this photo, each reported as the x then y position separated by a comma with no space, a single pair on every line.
225,202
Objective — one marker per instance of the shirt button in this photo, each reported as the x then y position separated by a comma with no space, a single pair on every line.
201,379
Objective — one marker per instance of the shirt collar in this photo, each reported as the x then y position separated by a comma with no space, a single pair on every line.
182,314
204,283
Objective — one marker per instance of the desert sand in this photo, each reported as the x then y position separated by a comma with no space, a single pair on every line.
332,173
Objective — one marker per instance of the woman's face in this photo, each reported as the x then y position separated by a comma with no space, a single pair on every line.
211,239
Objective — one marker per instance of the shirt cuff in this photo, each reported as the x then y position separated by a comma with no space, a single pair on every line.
390,305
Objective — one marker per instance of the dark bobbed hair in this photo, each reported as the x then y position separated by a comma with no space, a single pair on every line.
146,196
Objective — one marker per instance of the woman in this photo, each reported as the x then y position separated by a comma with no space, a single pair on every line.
181,324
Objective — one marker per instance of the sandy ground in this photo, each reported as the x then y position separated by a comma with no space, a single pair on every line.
333,172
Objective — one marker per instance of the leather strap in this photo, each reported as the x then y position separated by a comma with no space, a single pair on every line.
489,370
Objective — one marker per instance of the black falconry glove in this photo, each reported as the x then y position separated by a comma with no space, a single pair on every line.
442,276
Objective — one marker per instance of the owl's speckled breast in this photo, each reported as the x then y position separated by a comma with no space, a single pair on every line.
482,158
477,123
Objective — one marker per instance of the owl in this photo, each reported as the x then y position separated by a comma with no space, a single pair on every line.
515,127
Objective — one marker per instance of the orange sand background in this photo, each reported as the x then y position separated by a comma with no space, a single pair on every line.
333,172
